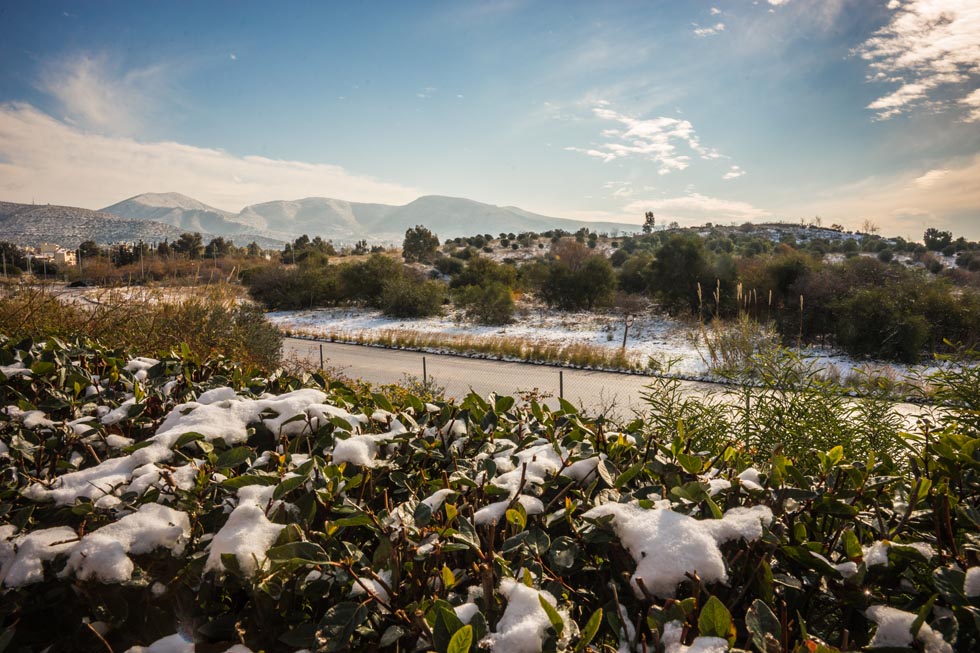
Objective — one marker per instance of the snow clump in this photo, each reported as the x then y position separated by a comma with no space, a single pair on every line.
666,544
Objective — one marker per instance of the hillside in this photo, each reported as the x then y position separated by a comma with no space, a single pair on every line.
346,222
185,213
69,226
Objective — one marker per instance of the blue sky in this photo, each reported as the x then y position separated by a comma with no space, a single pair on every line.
727,111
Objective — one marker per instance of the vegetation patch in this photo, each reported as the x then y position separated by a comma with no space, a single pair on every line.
178,500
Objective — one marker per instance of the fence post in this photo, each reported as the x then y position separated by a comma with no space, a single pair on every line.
321,355
561,384
425,375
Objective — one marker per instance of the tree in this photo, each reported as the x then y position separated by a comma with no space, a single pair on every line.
420,245
649,222
681,263
89,249
190,244
937,240
218,248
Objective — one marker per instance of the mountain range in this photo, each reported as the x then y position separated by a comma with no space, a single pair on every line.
346,222
152,217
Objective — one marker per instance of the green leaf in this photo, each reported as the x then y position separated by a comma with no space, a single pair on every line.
762,624
921,617
629,474
287,486
249,479
461,640
304,552
691,464
391,635
187,438
835,455
556,621
852,546
715,620
590,630
233,457
422,515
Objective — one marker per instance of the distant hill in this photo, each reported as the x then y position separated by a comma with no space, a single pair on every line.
69,226
185,213
346,222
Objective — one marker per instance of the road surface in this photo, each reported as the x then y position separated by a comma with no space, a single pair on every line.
598,392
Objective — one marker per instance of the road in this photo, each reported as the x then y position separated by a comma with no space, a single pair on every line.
598,392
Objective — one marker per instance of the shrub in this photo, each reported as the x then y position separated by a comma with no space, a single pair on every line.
408,297
490,304
375,521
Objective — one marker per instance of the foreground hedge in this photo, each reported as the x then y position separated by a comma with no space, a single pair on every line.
182,504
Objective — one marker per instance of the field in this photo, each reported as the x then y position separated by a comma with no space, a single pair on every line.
655,343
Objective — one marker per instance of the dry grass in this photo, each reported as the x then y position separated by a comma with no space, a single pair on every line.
576,354
210,321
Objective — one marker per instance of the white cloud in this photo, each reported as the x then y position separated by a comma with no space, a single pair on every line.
776,3
733,173
48,160
715,11
947,195
717,28
927,46
654,139
697,208
93,93
972,101
233,56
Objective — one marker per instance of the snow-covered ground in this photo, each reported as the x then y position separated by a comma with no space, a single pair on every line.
669,342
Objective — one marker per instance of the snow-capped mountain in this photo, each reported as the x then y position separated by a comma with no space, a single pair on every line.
185,213
346,222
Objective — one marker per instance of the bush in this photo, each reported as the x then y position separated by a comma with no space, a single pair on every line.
378,534
490,304
407,297
209,324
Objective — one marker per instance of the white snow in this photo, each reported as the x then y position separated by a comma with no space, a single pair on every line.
175,643
894,629
523,625
26,566
971,585
376,588
674,630
877,553
247,534
227,419
666,544
104,554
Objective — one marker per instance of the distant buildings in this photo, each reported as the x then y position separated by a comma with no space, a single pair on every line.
54,253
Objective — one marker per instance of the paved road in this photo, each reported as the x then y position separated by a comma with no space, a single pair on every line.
605,392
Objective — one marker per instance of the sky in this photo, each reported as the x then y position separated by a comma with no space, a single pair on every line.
842,111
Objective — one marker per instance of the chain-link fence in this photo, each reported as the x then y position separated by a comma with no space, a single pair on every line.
613,394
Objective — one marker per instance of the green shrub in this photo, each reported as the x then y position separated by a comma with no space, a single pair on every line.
375,547
491,304
408,297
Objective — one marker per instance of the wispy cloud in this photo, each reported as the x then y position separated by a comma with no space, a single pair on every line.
653,139
95,93
717,28
972,102
927,45
733,173
715,11
47,159
946,195
695,208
